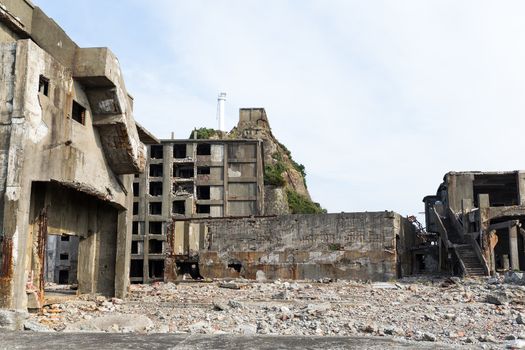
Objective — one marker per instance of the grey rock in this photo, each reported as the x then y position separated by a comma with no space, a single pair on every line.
113,323
234,304
260,276
496,299
280,296
248,329
219,306
318,308
520,319
516,344
514,277
487,339
36,327
428,337
12,320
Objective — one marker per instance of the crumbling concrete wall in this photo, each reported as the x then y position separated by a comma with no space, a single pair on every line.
360,246
50,155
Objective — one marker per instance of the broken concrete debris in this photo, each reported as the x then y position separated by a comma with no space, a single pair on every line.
421,309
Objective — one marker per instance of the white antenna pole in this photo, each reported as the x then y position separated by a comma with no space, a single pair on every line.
220,110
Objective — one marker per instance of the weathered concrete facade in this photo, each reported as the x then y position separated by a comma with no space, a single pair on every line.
478,217
68,144
365,246
191,179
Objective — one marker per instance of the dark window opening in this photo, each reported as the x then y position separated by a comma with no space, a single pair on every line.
236,265
136,189
501,188
155,170
135,208
156,151
155,188
203,149
156,246
64,238
64,256
156,269
136,176
135,228
43,85
203,170
134,247
183,189
203,192
190,268
179,207
155,228
136,268
155,208
179,151
203,209
78,113
63,277
183,172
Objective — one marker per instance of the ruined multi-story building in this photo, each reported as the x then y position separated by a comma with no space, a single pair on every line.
187,179
68,148
478,218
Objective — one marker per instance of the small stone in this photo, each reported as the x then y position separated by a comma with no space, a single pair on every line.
429,337
520,319
516,344
495,299
36,327
279,296
470,340
370,328
218,306
511,337
260,276
318,308
234,304
247,329
487,339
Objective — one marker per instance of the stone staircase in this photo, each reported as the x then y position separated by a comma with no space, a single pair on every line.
470,261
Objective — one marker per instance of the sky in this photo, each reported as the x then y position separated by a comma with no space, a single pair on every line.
378,99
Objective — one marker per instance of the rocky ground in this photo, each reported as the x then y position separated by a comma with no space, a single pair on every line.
486,312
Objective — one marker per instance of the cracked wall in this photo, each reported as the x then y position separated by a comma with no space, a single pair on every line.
359,246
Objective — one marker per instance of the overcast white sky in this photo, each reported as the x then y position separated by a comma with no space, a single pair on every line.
378,99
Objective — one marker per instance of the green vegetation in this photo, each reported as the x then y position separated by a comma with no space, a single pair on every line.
297,166
203,133
299,204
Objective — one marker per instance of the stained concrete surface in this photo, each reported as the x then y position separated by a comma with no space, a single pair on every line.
31,340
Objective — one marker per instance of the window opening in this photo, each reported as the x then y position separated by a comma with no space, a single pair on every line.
78,113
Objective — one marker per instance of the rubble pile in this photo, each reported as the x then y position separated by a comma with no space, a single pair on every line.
486,311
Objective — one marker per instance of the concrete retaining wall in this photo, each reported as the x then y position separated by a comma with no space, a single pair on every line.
364,246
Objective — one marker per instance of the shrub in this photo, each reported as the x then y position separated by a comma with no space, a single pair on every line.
203,133
300,204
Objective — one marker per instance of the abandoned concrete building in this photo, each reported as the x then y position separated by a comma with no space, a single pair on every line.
69,149
477,217
191,179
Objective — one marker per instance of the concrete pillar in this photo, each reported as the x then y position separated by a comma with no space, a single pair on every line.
521,186
123,253
484,223
513,248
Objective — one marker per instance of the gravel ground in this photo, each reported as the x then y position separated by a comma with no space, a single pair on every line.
486,312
